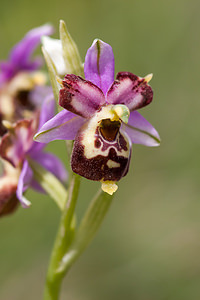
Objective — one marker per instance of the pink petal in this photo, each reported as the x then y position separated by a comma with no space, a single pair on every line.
130,90
80,96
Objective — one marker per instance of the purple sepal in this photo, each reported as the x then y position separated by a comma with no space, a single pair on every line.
20,55
47,109
63,126
141,131
25,178
130,90
47,112
99,65
80,96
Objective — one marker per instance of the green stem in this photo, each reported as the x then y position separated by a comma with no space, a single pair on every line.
87,229
63,239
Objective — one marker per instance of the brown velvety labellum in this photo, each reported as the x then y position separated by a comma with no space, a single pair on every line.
110,161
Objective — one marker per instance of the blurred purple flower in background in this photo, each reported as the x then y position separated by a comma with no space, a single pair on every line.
21,79
26,103
20,55
18,148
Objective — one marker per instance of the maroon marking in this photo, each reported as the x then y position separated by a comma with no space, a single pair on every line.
97,143
122,143
119,144
96,168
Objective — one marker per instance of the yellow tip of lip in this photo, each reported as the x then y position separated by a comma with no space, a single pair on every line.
148,77
109,187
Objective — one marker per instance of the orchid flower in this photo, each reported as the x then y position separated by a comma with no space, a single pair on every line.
18,148
100,115
20,76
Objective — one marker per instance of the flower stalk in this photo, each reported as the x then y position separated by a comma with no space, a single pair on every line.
90,224
63,238
69,245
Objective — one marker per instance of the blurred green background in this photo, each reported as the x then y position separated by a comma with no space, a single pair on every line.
149,245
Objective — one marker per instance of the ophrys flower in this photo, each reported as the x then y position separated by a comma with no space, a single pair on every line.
100,115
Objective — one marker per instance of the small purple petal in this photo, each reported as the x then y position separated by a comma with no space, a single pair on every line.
20,54
6,72
47,109
63,126
51,163
130,90
46,113
80,96
141,131
99,65
23,183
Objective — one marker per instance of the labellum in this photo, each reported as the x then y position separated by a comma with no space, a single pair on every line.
101,149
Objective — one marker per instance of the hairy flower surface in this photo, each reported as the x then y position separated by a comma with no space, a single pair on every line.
100,115
18,148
